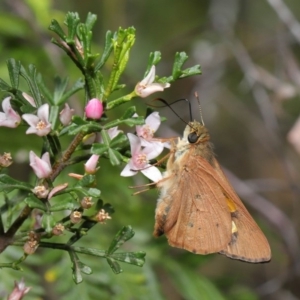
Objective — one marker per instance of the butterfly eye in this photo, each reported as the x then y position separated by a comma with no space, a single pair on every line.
193,137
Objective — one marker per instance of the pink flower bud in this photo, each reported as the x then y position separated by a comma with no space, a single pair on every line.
94,109
65,116
91,165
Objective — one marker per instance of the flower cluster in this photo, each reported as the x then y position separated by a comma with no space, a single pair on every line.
144,147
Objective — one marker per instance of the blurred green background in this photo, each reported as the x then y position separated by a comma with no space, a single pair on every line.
249,91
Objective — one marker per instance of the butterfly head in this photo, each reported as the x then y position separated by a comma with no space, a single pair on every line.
196,133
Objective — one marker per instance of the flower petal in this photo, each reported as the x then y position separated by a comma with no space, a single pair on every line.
152,149
31,119
152,173
135,143
10,118
41,166
150,77
153,120
43,113
127,171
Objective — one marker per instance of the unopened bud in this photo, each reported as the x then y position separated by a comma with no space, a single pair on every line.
94,109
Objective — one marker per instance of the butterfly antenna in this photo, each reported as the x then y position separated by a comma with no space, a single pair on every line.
200,109
169,105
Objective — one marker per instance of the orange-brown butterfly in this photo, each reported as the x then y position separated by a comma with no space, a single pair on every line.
198,209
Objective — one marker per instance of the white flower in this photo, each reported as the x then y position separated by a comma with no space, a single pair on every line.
152,122
9,117
41,166
140,159
39,124
146,132
147,87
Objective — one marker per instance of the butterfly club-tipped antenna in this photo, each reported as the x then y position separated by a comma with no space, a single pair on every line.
169,105
200,109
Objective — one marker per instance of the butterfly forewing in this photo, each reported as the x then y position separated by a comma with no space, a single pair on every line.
195,219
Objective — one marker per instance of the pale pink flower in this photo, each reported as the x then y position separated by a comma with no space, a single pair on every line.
41,166
147,87
65,116
146,132
39,124
9,117
90,166
140,159
94,109
19,291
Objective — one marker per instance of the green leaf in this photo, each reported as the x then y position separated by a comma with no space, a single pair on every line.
130,111
84,268
122,44
90,251
121,237
107,50
65,204
118,141
76,274
133,258
85,37
115,157
195,70
53,140
14,67
34,202
78,85
8,184
92,192
72,20
74,128
99,149
90,21
153,60
86,180
114,265
4,86
55,27
105,137
32,81
48,222
130,122
59,89
180,59
44,90
108,208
